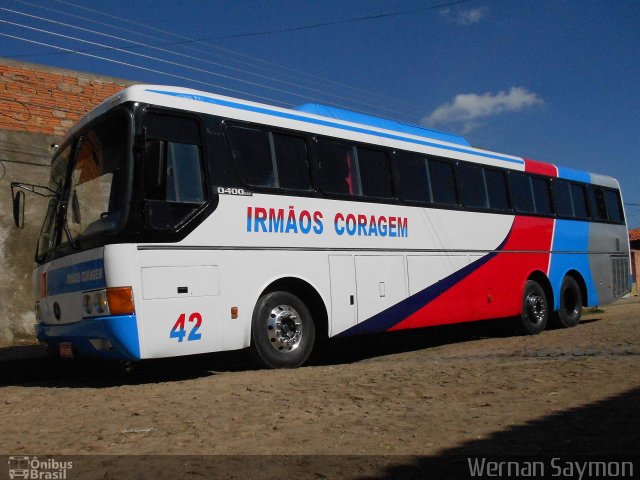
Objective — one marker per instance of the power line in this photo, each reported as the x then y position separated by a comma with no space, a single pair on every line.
336,22
20,162
139,67
9,150
148,57
143,45
228,53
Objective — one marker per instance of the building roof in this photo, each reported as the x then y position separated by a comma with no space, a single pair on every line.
634,235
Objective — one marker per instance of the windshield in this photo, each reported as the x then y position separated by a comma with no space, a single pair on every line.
97,193
49,231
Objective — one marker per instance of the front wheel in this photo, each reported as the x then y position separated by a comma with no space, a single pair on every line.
282,331
570,304
535,309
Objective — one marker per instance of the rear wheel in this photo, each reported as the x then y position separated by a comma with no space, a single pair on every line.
282,331
570,304
535,309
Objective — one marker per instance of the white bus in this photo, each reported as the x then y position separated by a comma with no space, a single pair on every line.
182,222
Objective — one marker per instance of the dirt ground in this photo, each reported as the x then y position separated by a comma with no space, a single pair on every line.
473,389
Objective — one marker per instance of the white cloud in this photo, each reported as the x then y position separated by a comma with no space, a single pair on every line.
467,107
464,17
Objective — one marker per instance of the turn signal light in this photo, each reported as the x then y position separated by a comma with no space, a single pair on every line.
120,301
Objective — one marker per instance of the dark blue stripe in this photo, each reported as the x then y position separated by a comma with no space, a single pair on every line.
395,314
327,123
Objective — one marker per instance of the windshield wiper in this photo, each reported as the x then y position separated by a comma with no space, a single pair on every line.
72,241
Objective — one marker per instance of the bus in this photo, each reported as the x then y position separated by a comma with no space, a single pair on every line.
182,222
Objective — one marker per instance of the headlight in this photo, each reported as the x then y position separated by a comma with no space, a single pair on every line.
87,304
100,302
109,301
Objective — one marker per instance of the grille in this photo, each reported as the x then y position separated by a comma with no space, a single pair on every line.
620,275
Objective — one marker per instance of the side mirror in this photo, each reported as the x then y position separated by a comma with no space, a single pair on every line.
18,209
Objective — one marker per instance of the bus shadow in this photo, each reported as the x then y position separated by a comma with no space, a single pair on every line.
345,350
45,371
31,366
606,430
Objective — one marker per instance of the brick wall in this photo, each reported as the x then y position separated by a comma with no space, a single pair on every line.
40,99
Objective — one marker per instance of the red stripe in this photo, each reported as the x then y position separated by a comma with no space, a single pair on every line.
540,168
495,289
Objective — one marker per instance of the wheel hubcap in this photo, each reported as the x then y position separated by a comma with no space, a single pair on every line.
284,328
536,309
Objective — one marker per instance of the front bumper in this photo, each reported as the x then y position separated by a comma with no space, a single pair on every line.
113,338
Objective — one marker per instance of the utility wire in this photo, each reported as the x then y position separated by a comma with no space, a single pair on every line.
143,45
150,57
306,27
228,53
20,162
139,67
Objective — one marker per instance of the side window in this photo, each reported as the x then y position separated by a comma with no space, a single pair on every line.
471,183
562,198
174,181
270,159
614,205
375,174
597,205
443,184
412,173
497,189
252,155
349,170
173,167
521,193
337,168
184,177
579,200
292,161
541,195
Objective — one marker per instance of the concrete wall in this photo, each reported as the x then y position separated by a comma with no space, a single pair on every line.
37,106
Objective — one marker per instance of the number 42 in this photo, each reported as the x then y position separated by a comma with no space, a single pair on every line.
178,331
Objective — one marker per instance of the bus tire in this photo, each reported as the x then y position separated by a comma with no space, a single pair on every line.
535,309
570,309
282,331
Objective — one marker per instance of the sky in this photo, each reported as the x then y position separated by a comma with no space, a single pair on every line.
551,80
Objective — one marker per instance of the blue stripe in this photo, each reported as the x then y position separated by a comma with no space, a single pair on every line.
79,277
120,330
327,123
572,174
571,236
383,123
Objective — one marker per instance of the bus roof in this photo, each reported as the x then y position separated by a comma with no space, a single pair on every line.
348,116
324,115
